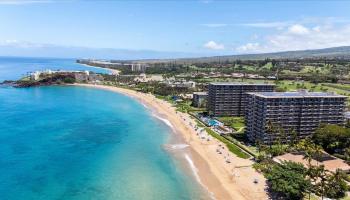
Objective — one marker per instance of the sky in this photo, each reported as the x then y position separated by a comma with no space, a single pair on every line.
180,28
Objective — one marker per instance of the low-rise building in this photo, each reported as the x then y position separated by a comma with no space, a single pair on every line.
95,78
82,76
199,99
299,113
181,84
35,75
143,78
87,77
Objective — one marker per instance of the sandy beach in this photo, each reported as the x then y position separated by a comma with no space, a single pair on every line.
111,71
234,180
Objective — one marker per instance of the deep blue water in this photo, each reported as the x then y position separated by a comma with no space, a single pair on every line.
13,68
67,142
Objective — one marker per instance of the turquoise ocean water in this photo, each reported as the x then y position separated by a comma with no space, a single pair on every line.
67,142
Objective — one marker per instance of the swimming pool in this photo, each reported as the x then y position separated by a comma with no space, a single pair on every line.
213,122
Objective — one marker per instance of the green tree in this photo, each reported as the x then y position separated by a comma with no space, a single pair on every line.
332,137
69,80
320,180
347,154
336,187
293,139
287,179
310,150
270,130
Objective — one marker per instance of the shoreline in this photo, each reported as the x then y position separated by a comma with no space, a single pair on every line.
111,71
222,180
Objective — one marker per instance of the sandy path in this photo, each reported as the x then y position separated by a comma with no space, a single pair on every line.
234,180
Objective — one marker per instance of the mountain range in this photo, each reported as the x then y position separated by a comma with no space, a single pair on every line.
342,52
34,50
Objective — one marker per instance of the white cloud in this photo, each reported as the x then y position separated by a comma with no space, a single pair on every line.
299,37
316,28
298,29
214,25
249,47
301,21
214,46
278,25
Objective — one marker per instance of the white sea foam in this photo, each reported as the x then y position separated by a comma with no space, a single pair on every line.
144,105
167,122
195,172
193,168
179,146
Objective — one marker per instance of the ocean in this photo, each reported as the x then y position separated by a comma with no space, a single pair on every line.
70,142
13,68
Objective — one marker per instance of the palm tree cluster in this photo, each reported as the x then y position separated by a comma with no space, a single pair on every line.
324,183
279,140
285,180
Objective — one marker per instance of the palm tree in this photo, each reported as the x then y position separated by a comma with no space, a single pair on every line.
321,180
336,186
293,138
312,177
317,152
283,138
306,146
258,145
270,130
347,154
311,150
339,176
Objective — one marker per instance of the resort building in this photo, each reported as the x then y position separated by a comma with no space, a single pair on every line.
199,99
297,114
230,99
138,67
35,75
143,78
181,84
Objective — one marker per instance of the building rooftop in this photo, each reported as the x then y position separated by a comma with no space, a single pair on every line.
200,93
330,162
239,83
302,94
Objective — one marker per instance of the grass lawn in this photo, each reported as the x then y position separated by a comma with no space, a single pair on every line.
244,80
340,87
199,124
313,69
165,98
297,85
236,123
346,198
26,78
185,107
232,147
321,87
